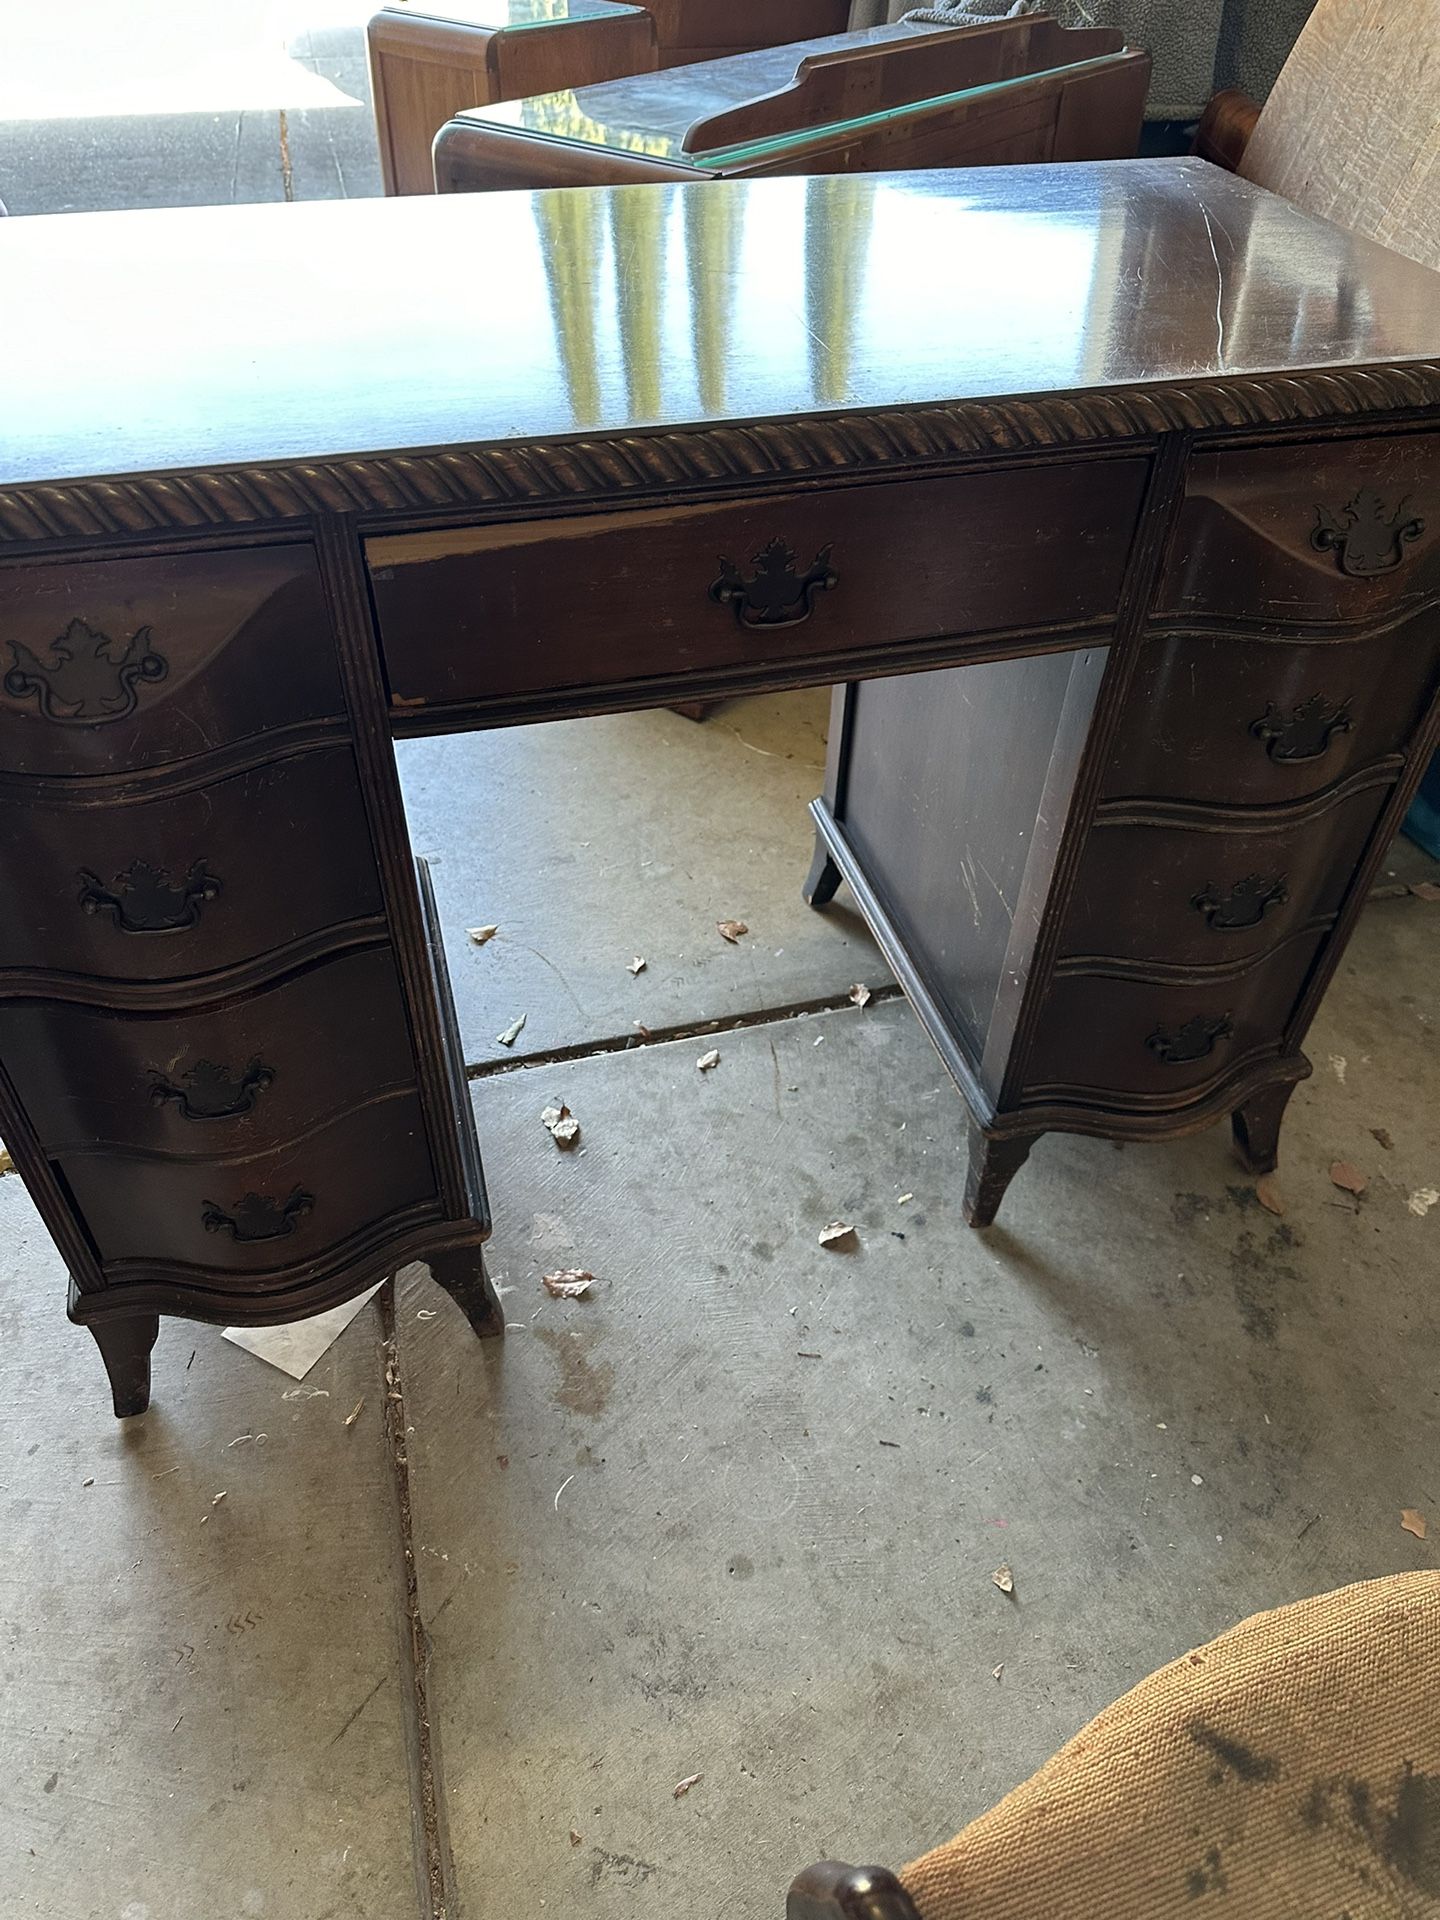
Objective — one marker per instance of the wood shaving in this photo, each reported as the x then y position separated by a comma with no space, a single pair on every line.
512,1032
637,965
569,1283
682,1787
561,1125
1268,1194
859,995
481,934
354,1414
838,1235
224,1494
1349,1179
1004,1579
1382,1135
995,1672
708,1060
1421,1201
904,1199
731,930
576,1839
1413,1521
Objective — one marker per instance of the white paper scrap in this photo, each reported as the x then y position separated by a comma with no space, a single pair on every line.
295,1347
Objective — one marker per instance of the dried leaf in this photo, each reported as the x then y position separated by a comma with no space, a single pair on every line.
731,930
1423,1198
481,934
637,965
1349,1179
569,1283
576,1839
1004,1578
1268,1194
708,1060
1382,1135
1413,1521
860,994
512,1032
354,1414
839,1235
1425,890
7,1165
561,1125
682,1787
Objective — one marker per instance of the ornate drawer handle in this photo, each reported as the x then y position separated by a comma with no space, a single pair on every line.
775,595
209,1092
257,1217
1192,1041
1243,904
1363,537
89,676
1305,732
144,899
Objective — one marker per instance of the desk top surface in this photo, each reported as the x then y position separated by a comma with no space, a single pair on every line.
198,338
651,113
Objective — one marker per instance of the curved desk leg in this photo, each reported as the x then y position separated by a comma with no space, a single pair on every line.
461,1272
1256,1127
125,1341
993,1165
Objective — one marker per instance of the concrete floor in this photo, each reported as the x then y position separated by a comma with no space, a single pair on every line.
736,1514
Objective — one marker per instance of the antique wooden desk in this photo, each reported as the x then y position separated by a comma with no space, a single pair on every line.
1130,467
1011,92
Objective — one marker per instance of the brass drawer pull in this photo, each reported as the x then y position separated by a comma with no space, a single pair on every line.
775,595
1192,1041
1364,538
144,899
89,677
257,1217
1241,905
210,1092
1305,732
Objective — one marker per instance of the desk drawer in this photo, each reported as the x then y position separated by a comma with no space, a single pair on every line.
228,1079
1347,531
240,1216
476,613
111,665
1210,896
190,880
1111,1039
1253,722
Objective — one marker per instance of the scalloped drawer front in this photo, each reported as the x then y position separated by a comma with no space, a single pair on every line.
230,1079
1210,897
1116,1039
188,882
483,613
1252,722
108,666
1346,531
263,1212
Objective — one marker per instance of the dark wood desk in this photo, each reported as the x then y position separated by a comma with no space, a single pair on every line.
1131,468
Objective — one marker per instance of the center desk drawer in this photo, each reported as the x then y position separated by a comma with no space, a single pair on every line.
471,613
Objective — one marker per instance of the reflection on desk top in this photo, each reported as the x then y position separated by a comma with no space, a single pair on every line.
651,113
509,14
200,337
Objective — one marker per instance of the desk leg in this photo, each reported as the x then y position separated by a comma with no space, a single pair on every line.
461,1272
993,1165
1256,1127
125,1341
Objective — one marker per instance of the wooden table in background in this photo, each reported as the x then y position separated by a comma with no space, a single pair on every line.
1129,472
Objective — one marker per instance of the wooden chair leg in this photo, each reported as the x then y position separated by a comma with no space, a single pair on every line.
994,1163
461,1272
1256,1127
823,878
694,709
125,1341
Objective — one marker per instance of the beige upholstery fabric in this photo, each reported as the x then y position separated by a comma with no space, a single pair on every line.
1352,129
1288,1771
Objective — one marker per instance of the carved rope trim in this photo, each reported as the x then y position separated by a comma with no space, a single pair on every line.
589,469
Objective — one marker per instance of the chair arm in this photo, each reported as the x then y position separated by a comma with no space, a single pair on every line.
1225,128
833,1891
